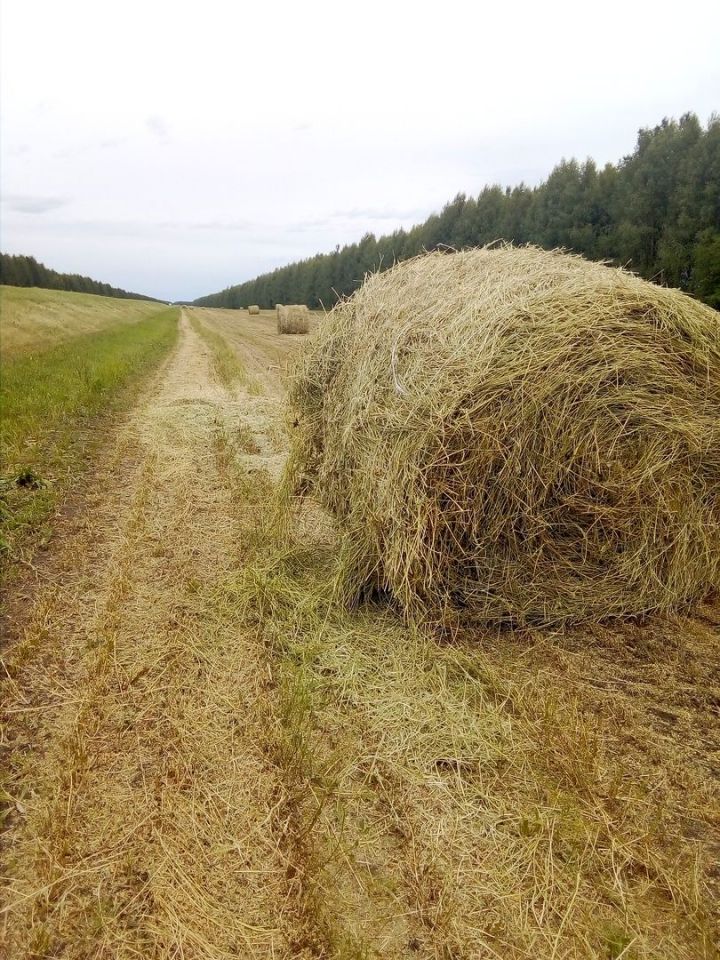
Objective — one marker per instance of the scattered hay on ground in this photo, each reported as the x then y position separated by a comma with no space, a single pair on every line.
293,319
535,794
517,434
145,809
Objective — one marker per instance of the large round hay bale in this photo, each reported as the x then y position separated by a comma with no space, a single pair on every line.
522,436
294,318
254,310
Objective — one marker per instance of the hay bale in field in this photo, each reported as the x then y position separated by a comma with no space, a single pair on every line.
254,310
294,318
518,434
278,308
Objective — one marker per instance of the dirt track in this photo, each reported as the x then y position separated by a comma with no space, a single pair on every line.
144,727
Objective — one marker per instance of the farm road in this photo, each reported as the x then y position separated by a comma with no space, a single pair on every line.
140,725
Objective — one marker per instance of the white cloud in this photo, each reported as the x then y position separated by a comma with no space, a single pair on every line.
158,127
23,203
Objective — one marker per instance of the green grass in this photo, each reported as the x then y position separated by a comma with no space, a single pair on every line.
34,319
53,401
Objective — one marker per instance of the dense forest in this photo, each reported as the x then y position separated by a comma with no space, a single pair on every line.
656,211
20,271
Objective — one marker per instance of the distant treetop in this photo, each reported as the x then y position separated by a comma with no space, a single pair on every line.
21,271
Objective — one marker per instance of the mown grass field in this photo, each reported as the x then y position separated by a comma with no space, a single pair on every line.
233,764
67,361
543,793
537,795
33,319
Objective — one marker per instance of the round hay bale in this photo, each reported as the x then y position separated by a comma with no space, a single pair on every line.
254,310
517,435
294,318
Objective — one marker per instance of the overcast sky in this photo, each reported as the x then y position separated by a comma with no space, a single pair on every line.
175,148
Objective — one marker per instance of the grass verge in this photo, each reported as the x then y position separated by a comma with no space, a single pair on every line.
53,404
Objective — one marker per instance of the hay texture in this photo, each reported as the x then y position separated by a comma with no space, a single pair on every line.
293,319
254,310
518,435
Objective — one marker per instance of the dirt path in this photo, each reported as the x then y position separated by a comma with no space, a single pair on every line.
146,809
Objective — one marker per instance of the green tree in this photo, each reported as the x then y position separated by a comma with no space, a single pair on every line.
657,211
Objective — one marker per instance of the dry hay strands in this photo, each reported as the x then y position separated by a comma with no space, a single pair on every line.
253,310
294,318
515,435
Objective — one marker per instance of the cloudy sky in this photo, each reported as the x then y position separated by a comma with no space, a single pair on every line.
174,148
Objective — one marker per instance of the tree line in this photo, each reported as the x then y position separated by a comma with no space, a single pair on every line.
656,211
22,271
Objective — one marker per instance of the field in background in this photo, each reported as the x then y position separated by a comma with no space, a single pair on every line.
233,765
67,359
241,330
32,319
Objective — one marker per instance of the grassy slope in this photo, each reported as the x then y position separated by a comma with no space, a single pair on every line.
61,371
35,319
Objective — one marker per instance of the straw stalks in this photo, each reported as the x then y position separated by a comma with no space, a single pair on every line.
515,435
293,319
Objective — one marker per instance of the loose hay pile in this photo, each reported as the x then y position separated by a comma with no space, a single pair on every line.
523,435
254,310
293,319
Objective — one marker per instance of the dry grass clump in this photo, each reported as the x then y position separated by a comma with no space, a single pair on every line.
293,319
516,433
541,794
254,310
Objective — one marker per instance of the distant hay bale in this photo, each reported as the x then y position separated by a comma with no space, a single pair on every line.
516,436
294,318
254,310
